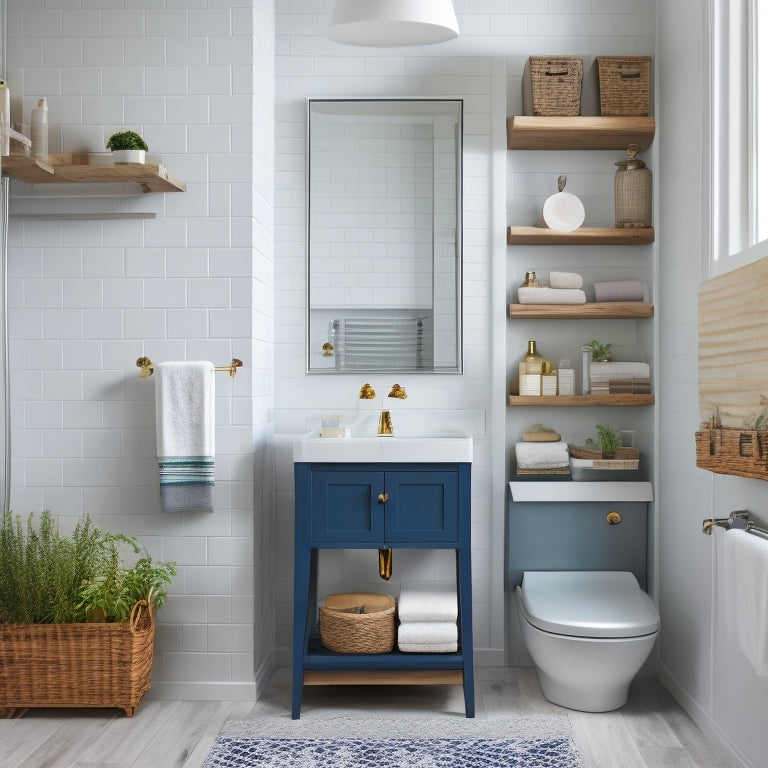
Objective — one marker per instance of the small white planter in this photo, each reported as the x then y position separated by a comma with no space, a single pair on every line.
128,156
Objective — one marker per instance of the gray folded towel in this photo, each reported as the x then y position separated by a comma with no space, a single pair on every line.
622,290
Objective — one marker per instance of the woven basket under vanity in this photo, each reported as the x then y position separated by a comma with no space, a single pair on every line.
358,622
552,85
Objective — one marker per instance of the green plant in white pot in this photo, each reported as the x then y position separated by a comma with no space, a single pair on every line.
127,147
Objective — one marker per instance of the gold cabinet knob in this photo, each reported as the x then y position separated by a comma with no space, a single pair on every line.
383,498
613,518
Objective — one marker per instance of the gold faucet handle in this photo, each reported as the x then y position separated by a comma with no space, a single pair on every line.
367,392
398,392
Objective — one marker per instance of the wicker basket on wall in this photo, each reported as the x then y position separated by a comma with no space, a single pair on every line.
358,622
552,85
77,665
625,85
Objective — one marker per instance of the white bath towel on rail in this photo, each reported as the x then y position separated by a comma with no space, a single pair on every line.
746,596
184,410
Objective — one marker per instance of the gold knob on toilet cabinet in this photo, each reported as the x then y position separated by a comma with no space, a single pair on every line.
613,518
383,498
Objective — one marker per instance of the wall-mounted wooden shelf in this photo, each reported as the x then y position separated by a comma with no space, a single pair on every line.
583,236
71,169
524,132
580,400
605,309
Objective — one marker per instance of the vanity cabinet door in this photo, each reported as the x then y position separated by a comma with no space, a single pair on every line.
369,507
346,508
423,507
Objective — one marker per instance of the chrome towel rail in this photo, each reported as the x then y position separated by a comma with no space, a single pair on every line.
734,520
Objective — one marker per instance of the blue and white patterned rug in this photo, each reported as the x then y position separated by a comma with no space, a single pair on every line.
469,743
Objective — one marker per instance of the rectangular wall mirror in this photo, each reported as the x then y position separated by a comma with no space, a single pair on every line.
384,247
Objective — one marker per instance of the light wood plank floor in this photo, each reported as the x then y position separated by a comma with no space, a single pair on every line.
651,731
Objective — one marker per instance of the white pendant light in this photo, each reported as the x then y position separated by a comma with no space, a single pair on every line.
393,23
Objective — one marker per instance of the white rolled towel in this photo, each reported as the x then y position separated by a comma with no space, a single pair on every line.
542,455
565,280
428,636
551,295
435,603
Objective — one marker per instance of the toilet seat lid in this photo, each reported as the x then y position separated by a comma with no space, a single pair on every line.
588,603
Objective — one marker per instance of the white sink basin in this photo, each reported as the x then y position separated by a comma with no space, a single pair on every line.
383,449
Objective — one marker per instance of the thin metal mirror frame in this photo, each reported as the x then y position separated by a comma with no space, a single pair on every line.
459,370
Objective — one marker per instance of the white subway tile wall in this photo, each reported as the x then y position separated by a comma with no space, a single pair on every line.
86,298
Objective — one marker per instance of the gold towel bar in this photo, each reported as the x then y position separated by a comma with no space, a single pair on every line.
728,523
148,367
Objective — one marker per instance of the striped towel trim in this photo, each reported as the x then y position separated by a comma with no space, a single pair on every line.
178,470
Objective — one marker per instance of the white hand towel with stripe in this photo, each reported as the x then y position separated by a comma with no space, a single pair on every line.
184,410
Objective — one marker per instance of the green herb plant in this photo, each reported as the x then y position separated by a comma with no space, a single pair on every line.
601,353
609,440
126,140
46,577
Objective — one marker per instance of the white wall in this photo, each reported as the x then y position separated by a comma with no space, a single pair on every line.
483,66
706,673
86,298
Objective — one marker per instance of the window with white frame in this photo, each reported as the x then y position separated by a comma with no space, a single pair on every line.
740,116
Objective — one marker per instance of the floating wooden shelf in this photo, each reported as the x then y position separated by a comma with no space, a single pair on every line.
585,400
525,132
581,236
605,309
71,169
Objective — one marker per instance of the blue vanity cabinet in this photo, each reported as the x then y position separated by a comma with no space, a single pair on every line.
368,506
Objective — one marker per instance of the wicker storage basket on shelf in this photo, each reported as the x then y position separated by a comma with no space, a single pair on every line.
345,630
77,665
552,85
625,85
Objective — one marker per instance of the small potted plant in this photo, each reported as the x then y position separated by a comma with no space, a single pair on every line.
610,440
127,147
601,353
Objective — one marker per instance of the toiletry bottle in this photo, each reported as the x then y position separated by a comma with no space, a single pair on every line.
40,128
548,379
530,366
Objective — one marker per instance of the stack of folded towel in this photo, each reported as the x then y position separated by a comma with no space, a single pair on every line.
542,458
619,378
428,620
564,288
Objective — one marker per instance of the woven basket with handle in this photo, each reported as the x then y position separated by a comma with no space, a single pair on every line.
625,85
552,85
77,665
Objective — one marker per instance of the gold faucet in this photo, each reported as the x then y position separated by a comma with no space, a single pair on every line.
385,418
367,392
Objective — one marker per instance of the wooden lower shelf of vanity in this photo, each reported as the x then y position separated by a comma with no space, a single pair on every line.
584,400
383,677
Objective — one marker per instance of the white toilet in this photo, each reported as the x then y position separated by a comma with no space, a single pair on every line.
588,632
